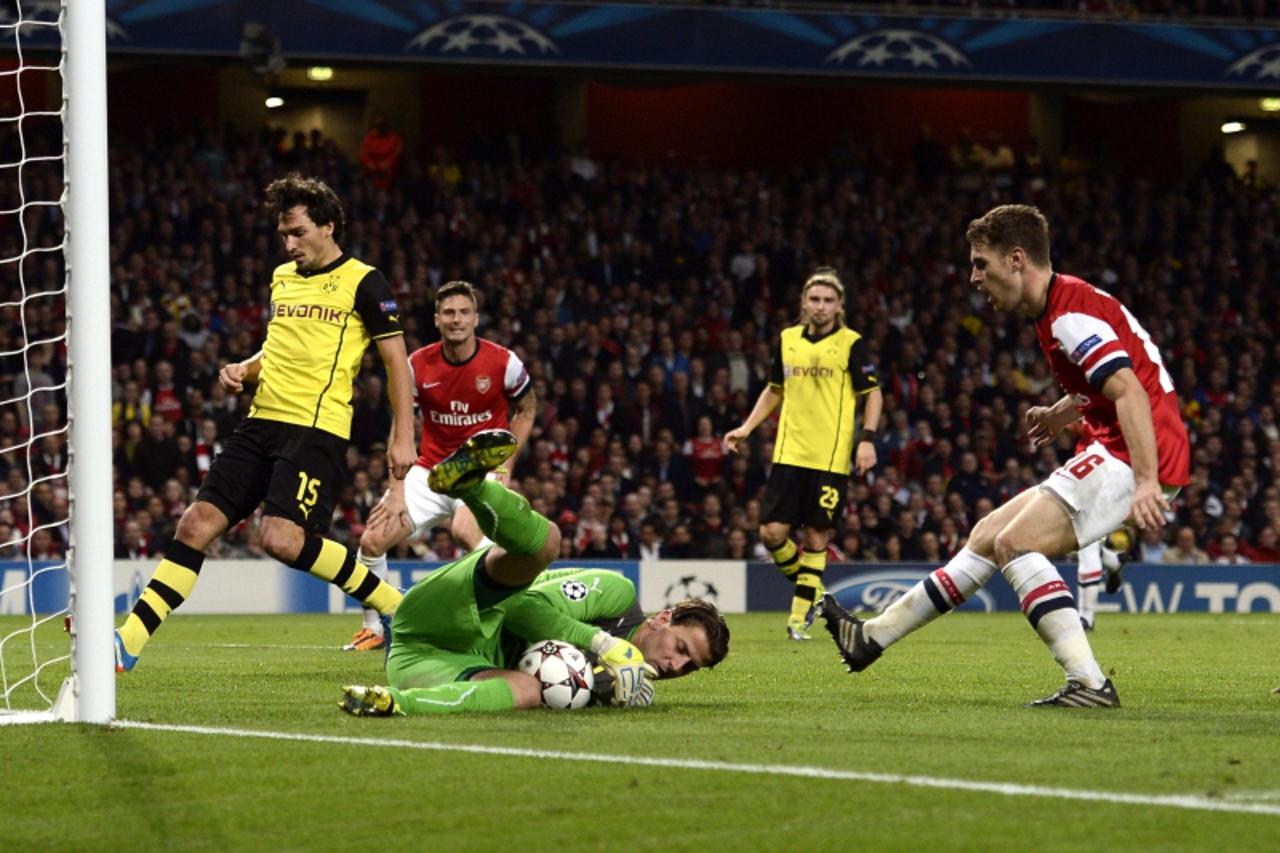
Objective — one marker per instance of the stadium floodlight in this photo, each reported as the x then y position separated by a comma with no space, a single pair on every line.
274,102
319,73
75,592
1269,105
1232,126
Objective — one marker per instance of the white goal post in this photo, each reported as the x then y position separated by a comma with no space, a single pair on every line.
88,692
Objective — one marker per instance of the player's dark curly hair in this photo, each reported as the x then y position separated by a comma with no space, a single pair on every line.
702,613
320,201
1013,226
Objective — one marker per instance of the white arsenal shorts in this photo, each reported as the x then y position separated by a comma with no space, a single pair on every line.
426,508
1097,489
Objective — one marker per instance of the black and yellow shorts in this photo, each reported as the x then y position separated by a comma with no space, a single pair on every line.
804,497
298,472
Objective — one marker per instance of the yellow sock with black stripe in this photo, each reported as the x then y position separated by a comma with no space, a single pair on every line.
809,572
171,584
338,565
787,558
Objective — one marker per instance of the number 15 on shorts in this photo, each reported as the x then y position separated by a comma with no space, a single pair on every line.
308,493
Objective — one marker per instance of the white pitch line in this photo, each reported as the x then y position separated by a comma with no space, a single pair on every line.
1174,801
253,646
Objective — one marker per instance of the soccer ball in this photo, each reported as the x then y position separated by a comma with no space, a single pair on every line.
563,672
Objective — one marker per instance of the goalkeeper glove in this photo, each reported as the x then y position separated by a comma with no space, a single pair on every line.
644,696
623,661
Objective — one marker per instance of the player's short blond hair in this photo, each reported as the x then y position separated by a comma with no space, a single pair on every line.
828,277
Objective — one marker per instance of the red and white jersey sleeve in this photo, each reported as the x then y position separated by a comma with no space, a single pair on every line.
459,400
1087,335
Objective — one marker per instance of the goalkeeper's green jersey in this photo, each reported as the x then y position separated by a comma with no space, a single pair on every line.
570,605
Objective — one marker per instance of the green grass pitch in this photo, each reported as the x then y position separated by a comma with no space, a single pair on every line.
1200,722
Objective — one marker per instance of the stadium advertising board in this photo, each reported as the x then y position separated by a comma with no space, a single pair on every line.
260,586
1147,588
722,38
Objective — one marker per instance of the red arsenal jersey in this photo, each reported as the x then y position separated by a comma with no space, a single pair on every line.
1087,335
459,400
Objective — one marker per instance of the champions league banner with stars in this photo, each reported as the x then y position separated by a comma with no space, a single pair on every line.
705,39
265,586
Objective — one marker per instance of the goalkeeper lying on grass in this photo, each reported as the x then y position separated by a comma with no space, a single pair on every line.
458,630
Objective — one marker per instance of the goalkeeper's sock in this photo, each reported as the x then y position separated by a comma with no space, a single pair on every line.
330,561
171,584
377,566
808,580
1047,603
939,593
506,518
491,694
787,558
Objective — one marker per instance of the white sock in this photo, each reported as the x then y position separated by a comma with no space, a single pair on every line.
1088,576
1110,558
377,566
941,592
1087,599
1046,601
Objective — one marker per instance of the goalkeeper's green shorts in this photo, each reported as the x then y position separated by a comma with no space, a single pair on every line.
439,634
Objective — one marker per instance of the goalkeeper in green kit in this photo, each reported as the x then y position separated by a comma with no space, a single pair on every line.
458,631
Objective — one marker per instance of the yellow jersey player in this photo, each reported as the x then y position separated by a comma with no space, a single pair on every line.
819,374
290,452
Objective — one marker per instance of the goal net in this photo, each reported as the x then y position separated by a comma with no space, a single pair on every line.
56,660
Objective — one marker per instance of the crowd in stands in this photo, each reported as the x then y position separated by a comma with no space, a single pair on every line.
644,302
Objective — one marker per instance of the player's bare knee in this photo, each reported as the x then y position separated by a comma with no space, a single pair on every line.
281,539
982,539
370,546
773,534
1009,544
200,525
816,540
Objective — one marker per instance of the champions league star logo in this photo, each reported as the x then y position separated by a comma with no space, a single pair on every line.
881,48
1260,64
689,586
37,14
499,33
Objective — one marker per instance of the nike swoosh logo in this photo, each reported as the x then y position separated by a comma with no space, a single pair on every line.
426,385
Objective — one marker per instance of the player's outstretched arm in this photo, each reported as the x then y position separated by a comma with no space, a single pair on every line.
400,452
526,409
1133,410
768,400
233,376
1045,422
